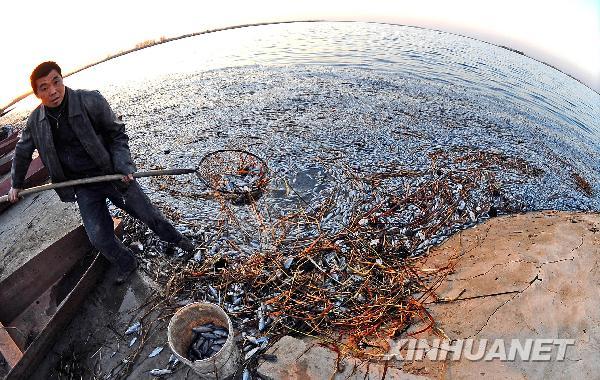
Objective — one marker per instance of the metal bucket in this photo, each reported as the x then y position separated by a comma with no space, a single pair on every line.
220,366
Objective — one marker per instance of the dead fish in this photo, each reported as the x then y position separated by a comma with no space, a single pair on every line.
133,341
136,327
185,302
205,347
262,324
261,340
213,291
472,216
198,257
160,372
208,335
203,329
288,262
207,340
198,342
251,353
198,354
192,354
155,352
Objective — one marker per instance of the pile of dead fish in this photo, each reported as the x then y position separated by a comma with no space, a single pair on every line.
367,175
348,264
207,340
345,263
313,125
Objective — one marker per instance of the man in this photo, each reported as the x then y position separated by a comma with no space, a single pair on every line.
77,135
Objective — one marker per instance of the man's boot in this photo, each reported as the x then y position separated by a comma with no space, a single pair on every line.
187,247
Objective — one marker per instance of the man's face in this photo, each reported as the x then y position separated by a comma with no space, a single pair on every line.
50,89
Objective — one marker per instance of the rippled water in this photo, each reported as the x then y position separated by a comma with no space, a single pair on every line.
372,92
437,57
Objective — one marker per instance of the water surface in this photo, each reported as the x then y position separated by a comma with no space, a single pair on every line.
319,99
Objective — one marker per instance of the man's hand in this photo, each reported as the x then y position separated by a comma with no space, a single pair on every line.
13,195
128,178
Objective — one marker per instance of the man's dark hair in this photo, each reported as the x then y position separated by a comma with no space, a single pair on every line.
42,70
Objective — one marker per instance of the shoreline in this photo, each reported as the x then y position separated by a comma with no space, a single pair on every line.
162,40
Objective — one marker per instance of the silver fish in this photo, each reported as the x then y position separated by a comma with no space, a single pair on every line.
160,372
262,324
213,291
202,329
155,352
251,353
288,262
136,327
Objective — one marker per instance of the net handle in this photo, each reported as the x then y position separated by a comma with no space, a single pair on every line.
149,173
103,178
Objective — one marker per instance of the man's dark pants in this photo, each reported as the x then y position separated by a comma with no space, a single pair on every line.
98,223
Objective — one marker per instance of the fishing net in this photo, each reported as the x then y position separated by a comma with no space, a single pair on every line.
233,171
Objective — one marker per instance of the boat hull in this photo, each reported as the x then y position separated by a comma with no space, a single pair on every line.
58,279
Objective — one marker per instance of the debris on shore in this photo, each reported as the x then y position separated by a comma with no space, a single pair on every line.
348,275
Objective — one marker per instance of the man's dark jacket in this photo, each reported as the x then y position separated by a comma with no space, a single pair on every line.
98,129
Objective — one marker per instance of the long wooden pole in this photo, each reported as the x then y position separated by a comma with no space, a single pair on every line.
103,178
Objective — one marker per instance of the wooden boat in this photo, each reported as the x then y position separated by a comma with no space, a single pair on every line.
9,143
6,162
58,279
36,175
5,111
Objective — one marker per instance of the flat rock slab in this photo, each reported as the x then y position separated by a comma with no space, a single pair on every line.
524,276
